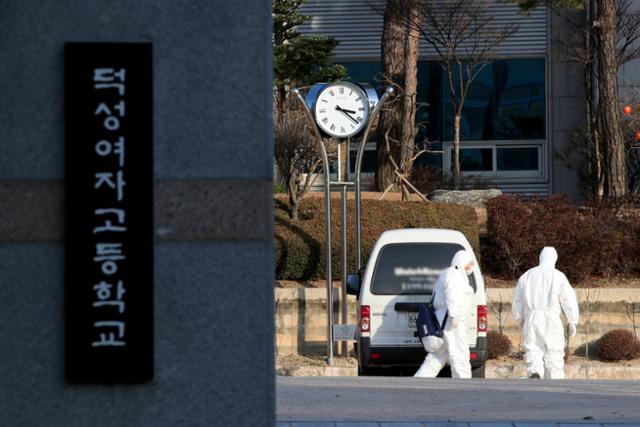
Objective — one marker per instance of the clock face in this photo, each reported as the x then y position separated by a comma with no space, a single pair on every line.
341,109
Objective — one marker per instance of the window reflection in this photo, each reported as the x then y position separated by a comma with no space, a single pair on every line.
517,158
475,159
505,102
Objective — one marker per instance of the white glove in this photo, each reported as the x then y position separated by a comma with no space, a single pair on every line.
572,329
454,322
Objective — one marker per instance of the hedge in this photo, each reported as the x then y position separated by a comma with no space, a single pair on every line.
299,245
596,240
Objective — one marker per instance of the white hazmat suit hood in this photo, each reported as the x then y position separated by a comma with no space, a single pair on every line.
542,294
461,259
548,257
452,295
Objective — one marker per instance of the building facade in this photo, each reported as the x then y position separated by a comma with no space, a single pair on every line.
519,113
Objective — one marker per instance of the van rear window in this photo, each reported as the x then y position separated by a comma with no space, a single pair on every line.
412,268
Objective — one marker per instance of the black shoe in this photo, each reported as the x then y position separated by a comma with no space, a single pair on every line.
535,375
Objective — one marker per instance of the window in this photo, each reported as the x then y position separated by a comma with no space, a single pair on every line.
412,268
499,160
429,101
505,102
518,158
475,159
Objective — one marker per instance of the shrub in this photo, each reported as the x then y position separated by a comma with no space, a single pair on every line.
498,344
595,240
619,344
299,245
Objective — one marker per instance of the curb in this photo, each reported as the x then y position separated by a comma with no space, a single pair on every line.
317,371
582,371
573,371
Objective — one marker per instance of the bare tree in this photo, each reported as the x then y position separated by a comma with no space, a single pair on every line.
590,296
464,35
632,309
501,310
399,50
403,171
298,157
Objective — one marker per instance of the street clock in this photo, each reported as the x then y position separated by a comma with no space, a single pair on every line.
342,109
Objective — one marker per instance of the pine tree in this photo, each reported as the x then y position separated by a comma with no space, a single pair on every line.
299,59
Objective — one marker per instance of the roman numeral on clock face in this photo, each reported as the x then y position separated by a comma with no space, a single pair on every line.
325,120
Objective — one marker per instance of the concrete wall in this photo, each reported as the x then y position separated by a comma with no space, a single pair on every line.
213,213
301,322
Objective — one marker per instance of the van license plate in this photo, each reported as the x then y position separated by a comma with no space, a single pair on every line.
412,317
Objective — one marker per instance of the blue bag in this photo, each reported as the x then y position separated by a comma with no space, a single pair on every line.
427,322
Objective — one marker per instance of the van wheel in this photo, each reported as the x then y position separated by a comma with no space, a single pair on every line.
478,372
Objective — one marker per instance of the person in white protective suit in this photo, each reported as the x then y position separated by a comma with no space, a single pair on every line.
541,294
453,294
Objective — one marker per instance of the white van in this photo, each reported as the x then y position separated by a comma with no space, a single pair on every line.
402,270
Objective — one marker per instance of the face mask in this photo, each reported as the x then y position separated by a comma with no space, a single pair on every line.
469,271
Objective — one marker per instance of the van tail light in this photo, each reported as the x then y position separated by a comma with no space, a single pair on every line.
365,318
482,318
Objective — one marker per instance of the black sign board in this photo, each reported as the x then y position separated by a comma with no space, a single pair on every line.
109,212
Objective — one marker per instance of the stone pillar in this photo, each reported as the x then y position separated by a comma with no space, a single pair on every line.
213,252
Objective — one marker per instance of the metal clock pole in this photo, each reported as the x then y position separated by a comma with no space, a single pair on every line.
343,184
327,183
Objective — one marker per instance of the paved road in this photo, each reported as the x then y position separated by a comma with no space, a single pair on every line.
396,399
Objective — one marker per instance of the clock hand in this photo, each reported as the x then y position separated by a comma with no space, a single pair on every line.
344,109
346,113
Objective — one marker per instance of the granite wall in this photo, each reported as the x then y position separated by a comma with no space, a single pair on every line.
213,213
